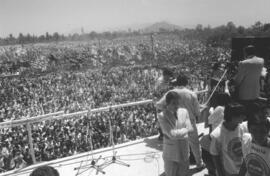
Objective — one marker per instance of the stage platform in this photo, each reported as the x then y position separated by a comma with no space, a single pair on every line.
144,157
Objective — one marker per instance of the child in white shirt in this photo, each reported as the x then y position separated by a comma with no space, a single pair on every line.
225,145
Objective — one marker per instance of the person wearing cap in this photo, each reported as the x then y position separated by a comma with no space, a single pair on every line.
225,146
247,79
189,101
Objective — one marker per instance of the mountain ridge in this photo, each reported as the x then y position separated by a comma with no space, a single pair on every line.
143,27
159,26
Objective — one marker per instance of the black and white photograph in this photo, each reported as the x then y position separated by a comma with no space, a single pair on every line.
134,87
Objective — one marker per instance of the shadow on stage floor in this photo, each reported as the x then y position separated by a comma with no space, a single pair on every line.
154,143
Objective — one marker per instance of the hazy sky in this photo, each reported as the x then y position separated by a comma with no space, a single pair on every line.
64,16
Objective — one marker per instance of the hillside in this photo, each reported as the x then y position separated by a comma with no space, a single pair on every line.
156,27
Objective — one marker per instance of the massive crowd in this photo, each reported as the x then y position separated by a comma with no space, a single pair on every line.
101,84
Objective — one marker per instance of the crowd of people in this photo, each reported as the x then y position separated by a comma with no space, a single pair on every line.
101,84
61,138
164,50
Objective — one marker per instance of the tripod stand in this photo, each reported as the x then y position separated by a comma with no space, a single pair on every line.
94,161
114,157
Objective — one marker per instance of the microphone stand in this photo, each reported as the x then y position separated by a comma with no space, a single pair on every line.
114,159
94,161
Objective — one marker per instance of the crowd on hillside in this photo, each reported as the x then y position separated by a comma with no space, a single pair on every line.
163,50
71,91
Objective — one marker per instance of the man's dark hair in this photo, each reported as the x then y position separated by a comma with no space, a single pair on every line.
259,123
171,96
259,106
181,80
233,109
45,171
167,71
249,50
216,66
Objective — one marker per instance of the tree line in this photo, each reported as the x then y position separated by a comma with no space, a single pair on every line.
212,36
221,35
56,37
